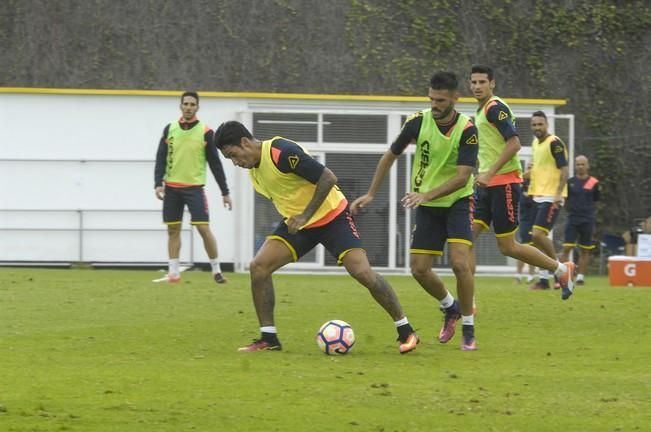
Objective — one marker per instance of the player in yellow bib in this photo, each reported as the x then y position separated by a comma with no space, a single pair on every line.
499,179
441,192
548,188
314,211
179,178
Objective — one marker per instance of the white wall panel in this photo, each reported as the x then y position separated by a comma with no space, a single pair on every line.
39,246
91,157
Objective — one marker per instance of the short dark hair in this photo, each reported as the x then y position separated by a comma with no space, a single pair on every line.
230,133
444,81
481,68
539,114
192,94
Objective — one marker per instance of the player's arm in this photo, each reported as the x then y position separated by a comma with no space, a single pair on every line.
159,168
499,116
381,170
408,135
557,148
570,192
326,182
596,192
217,169
466,162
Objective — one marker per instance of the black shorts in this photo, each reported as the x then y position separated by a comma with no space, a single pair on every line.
339,236
436,225
546,214
527,212
176,199
582,230
499,205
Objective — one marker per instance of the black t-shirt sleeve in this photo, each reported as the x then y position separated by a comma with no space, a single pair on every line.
499,115
571,186
161,158
557,148
292,159
408,133
215,163
468,147
596,192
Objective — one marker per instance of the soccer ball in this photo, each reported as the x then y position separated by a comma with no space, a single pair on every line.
335,337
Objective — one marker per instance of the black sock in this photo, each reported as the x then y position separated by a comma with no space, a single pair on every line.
404,331
270,337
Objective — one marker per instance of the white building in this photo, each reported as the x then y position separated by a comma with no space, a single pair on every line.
77,182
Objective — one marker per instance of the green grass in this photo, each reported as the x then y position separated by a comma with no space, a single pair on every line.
103,350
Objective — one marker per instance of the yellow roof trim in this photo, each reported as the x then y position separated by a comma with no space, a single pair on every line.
258,95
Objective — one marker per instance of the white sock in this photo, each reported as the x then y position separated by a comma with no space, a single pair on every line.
468,320
447,301
544,274
401,322
562,268
268,329
216,268
173,267
579,277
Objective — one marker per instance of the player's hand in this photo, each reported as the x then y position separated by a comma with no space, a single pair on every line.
360,203
228,203
294,223
413,199
160,192
483,179
558,201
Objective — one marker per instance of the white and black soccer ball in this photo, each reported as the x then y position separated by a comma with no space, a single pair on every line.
335,337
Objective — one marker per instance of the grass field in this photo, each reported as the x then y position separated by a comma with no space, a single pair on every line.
104,350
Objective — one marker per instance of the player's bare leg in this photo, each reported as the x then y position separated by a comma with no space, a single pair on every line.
542,241
565,255
357,265
210,245
209,241
519,270
460,261
421,270
477,229
272,255
533,256
173,251
584,261
529,254
174,240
